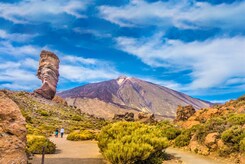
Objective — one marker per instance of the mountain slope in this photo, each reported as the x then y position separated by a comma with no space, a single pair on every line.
132,93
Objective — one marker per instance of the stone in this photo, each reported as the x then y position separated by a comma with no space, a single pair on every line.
59,100
220,143
128,116
198,148
48,72
210,141
146,117
12,132
184,112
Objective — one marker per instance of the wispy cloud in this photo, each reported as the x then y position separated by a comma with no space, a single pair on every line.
182,14
95,33
31,11
7,48
212,62
19,75
16,37
79,69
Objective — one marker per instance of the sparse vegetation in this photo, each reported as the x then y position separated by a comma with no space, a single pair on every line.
44,116
219,129
132,142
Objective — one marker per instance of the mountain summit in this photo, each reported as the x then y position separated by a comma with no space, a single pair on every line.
128,93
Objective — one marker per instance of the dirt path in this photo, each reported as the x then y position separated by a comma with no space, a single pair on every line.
87,152
74,152
191,158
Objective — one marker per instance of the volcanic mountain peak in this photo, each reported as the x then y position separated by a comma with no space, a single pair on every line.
130,93
121,79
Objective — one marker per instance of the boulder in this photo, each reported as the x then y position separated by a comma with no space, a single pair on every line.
146,117
210,141
128,116
12,132
198,148
184,112
60,100
48,72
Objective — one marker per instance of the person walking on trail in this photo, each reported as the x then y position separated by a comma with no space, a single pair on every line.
62,131
56,133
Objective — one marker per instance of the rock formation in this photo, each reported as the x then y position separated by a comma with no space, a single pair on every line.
128,116
12,132
146,117
48,72
184,112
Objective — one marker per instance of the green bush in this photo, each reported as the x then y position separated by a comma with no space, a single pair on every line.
183,139
81,135
132,142
168,130
76,118
43,112
237,119
233,136
35,144
242,145
217,124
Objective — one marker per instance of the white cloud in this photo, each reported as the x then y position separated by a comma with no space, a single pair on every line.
212,62
75,59
92,32
7,48
16,36
29,11
82,74
79,69
181,14
18,75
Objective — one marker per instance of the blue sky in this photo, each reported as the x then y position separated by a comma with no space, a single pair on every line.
193,46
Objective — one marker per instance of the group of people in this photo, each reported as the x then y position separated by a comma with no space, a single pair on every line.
62,131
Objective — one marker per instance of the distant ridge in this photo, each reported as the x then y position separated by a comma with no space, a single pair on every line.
126,93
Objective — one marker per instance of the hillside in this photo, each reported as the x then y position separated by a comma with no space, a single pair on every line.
44,116
127,93
218,131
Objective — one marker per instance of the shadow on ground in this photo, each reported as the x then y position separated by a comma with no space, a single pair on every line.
68,161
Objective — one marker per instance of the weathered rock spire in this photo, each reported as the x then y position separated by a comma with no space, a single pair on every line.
48,72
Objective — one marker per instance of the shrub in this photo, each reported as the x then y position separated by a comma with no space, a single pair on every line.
81,135
132,142
183,139
168,130
76,118
216,124
43,112
35,144
237,119
233,136
242,145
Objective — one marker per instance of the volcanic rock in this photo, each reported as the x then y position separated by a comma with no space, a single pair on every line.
48,72
184,112
128,116
210,140
12,132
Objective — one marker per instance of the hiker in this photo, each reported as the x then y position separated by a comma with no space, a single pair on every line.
62,131
56,133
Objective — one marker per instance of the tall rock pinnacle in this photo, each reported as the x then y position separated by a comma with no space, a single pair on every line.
48,72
